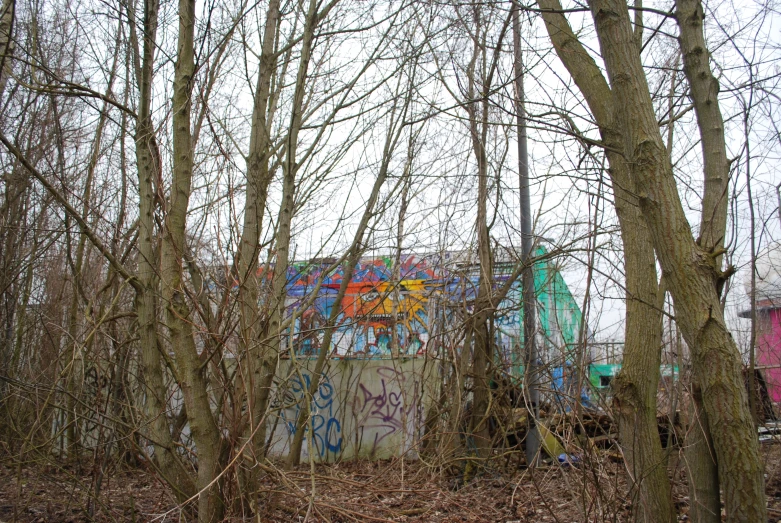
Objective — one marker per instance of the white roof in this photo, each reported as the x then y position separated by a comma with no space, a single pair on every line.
768,272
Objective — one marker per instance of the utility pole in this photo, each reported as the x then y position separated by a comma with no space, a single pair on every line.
531,390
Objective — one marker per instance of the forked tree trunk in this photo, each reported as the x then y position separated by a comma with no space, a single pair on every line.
287,206
690,271
478,324
635,387
258,363
480,74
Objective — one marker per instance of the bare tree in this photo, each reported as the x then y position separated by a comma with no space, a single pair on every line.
691,271
636,386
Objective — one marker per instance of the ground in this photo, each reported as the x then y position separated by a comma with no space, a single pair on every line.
363,491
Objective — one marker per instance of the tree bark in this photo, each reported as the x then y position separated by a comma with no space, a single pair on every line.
165,458
191,373
701,470
258,365
636,386
704,93
690,271
287,207
704,89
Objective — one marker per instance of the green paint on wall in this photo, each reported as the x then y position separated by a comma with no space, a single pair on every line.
558,314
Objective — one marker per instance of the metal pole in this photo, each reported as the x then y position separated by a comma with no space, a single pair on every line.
531,390
778,195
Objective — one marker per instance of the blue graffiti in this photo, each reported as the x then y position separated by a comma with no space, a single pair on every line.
326,428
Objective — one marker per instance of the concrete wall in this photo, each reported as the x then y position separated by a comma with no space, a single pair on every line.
367,408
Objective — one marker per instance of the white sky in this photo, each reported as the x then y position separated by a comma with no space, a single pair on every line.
566,184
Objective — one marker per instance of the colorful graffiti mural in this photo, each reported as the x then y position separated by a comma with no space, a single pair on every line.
367,404
383,315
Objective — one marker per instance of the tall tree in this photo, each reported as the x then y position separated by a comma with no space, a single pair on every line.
636,386
690,270
480,73
260,363
148,169
191,372
704,94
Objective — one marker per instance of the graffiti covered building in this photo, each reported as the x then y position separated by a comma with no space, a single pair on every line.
768,309
414,307
375,390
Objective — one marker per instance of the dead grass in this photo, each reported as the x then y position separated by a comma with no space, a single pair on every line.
358,491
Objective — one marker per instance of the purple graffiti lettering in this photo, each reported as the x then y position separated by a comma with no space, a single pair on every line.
384,411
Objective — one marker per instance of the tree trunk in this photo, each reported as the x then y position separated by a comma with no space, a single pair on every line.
704,93
259,178
690,271
701,469
165,458
287,206
703,90
480,78
191,373
636,386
